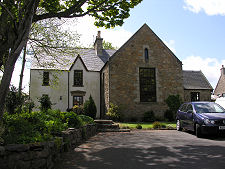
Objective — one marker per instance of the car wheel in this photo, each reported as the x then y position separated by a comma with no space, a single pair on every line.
179,128
198,132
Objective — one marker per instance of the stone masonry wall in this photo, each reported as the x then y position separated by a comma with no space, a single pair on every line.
43,155
205,95
124,74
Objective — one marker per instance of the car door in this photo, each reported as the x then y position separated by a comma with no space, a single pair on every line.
189,118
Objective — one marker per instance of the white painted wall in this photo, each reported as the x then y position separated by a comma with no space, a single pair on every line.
91,85
54,91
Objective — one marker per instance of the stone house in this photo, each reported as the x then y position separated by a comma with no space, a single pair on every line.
220,87
138,77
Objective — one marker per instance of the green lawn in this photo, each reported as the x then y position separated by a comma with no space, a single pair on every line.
146,125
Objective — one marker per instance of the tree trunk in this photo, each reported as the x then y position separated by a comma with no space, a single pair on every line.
4,87
22,71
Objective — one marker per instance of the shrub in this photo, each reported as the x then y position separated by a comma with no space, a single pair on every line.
37,126
90,108
138,126
71,118
113,112
157,125
45,103
78,109
169,115
86,119
149,116
173,102
12,100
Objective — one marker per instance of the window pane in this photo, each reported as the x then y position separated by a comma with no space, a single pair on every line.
78,78
147,85
77,100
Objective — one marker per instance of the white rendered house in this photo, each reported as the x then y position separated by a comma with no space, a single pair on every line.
78,78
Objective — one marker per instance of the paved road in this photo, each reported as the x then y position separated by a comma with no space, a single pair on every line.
147,149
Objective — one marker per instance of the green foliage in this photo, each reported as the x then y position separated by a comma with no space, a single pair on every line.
149,116
90,108
38,126
107,45
78,109
138,126
157,125
2,129
114,112
12,100
173,102
86,119
45,103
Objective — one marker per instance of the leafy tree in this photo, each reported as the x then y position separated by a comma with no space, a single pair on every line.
17,16
12,100
108,45
90,108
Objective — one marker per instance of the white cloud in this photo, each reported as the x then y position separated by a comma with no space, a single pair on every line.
210,7
209,66
85,27
171,45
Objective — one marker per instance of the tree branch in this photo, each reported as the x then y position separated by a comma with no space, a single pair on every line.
69,13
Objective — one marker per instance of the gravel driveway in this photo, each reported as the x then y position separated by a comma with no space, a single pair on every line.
142,149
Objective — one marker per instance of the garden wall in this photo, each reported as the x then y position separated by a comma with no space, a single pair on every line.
43,155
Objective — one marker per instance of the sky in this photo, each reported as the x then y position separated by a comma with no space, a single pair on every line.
193,29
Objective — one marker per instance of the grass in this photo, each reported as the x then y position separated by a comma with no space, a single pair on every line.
144,125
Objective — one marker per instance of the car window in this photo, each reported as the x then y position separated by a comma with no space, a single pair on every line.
183,108
208,108
189,107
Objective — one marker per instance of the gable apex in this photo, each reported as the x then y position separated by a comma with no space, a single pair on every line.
145,28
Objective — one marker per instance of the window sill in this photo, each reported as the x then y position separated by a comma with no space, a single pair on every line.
45,85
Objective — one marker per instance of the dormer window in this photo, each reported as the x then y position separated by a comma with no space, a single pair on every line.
146,55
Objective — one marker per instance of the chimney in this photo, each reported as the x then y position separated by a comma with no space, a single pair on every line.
98,44
222,71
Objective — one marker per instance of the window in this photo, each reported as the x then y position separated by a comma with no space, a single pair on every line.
146,55
147,84
78,78
45,79
189,108
77,100
195,96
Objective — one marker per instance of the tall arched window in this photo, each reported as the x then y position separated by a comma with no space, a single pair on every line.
146,55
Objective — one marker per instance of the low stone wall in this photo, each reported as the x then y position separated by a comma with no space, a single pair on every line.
43,155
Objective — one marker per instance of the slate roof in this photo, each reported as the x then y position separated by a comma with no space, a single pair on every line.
195,80
89,57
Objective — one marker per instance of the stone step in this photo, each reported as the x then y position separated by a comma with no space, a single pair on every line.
113,130
108,126
103,121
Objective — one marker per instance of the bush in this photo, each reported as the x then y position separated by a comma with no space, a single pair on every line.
149,116
169,115
90,108
78,109
113,112
45,103
157,125
22,128
138,126
86,119
173,102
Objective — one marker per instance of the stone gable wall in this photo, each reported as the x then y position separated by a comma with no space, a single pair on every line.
124,74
